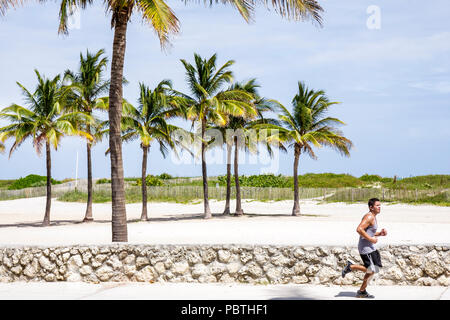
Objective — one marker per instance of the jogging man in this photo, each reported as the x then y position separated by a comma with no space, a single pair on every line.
370,256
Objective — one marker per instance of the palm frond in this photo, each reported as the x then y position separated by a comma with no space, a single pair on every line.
221,77
308,126
44,120
67,9
6,4
297,9
161,17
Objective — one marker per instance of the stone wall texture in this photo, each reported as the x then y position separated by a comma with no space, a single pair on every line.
425,265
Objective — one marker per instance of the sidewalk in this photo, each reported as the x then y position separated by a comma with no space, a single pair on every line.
196,291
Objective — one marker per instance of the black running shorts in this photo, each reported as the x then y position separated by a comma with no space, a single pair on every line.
372,259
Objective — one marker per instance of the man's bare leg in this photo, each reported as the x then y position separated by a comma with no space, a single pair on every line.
358,267
366,280
367,276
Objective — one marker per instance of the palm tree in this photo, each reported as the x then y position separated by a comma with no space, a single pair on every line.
309,126
209,105
228,141
43,122
163,20
159,15
87,86
242,125
234,123
148,124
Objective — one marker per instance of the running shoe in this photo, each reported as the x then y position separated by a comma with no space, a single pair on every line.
364,294
347,268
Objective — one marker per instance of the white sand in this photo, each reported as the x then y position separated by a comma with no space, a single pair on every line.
266,223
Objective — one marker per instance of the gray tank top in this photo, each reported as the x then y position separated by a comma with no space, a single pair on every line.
364,245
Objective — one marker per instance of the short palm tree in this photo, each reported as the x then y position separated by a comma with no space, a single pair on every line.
209,105
308,127
243,127
44,122
148,123
88,86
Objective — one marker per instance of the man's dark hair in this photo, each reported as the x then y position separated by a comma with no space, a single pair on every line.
372,201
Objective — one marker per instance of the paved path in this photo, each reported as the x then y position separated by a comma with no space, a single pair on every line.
268,223
196,291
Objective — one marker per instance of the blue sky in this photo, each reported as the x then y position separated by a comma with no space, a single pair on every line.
393,83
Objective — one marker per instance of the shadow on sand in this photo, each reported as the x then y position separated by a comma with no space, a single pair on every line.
347,294
54,223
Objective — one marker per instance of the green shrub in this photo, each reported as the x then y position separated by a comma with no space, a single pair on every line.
150,180
260,181
103,181
165,176
267,180
32,180
328,180
370,178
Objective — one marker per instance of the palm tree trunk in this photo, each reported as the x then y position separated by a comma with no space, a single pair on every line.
239,211
228,196
204,174
88,215
119,216
296,209
46,221
144,184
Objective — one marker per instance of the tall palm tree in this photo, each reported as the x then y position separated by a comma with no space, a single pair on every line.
163,20
308,127
44,122
209,105
88,85
148,124
161,17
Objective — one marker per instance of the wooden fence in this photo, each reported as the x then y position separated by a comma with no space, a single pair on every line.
363,194
219,193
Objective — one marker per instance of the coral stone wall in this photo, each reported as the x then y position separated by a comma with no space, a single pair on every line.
258,264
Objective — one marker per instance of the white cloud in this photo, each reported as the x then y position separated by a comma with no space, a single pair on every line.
394,49
439,86
367,89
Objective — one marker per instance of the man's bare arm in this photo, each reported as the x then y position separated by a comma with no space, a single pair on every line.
382,233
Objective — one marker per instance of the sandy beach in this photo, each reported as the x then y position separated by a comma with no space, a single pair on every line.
264,223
